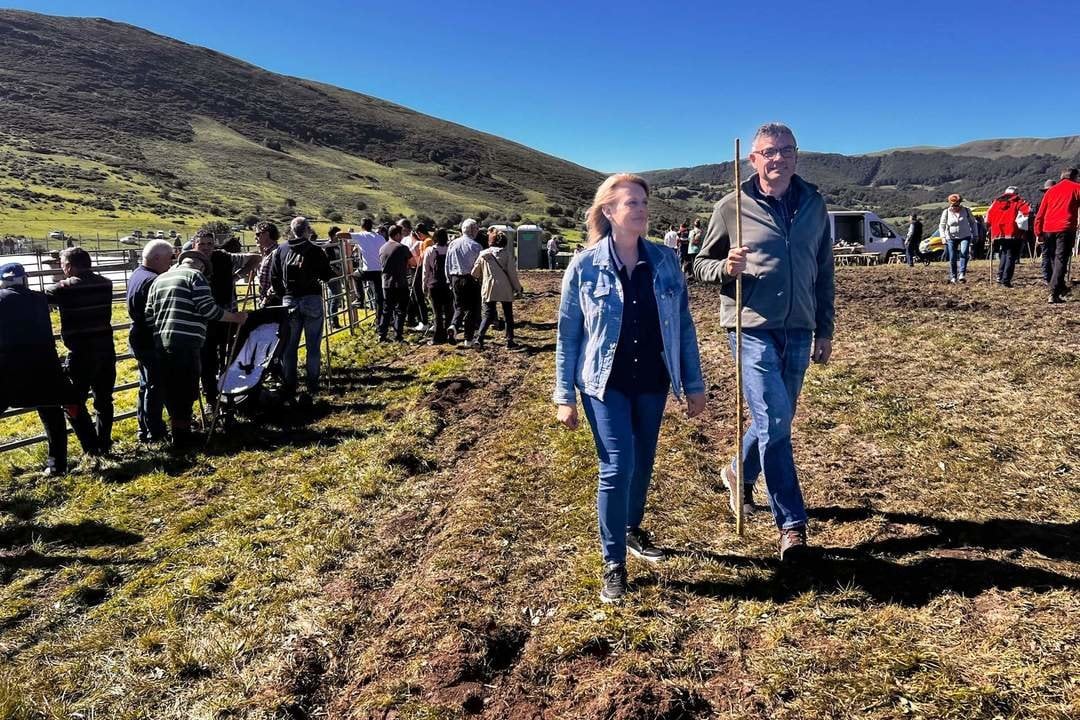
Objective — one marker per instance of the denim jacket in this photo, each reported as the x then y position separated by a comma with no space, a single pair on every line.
590,319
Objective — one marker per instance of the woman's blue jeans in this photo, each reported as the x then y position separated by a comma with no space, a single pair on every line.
774,363
625,428
958,257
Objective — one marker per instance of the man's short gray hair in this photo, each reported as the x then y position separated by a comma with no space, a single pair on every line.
773,130
155,248
469,224
300,227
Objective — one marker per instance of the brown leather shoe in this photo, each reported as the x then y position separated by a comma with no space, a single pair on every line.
793,544
727,477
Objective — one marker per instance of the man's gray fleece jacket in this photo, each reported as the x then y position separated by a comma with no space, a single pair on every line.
788,282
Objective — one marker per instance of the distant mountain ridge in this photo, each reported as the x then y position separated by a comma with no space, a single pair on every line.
894,182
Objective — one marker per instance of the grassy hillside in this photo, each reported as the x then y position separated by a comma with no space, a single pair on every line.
104,126
424,545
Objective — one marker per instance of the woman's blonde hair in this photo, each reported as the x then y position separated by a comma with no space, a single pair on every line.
599,225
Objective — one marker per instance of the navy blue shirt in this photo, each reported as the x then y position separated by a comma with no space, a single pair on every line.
141,334
638,367
784,206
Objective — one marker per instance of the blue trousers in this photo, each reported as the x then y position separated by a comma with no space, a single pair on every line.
774,363
151,400
625,428
958,256
306,314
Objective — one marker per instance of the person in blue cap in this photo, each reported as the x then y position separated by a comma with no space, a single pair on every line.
30,374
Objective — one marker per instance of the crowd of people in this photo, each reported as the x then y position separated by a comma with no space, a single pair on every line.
185,314
453,288
1045,228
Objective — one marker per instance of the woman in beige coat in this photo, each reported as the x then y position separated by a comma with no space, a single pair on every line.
497,272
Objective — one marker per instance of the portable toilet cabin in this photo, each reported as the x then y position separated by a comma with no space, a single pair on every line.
530,245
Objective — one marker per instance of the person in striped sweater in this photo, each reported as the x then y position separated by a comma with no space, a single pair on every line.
179,307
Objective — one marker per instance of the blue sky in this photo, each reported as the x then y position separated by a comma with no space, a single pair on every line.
648,85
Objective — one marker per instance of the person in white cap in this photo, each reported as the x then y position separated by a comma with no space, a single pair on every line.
1008,218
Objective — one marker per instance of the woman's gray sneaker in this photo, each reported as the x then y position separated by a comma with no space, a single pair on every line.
641,546
613,585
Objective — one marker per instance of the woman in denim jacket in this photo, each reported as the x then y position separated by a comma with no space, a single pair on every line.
625,339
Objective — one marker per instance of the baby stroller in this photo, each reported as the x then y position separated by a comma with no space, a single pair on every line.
255,360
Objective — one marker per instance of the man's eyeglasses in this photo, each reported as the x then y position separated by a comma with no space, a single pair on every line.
788,151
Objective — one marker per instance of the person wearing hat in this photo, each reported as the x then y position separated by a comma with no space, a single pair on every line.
1007,218
30,374
957,228
85,301
298,268
1046,260
179,306
1057,222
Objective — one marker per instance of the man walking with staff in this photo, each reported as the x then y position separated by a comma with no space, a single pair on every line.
787,315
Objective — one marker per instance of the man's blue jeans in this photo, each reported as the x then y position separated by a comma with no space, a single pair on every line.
774,363
625,428
958,257
151,401
305,313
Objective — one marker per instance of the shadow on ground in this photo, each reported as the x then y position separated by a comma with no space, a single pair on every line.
949,558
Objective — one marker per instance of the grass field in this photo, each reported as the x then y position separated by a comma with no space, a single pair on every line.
424,544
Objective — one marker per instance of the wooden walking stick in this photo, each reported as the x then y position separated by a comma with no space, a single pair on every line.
991,256
740,519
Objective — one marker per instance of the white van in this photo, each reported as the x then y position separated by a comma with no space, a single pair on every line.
867,230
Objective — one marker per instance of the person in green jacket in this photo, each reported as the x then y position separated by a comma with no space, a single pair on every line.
787,315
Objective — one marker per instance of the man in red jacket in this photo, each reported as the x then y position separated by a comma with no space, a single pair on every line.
1056,223
1002,220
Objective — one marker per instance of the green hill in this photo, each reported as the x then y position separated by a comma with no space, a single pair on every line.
105,127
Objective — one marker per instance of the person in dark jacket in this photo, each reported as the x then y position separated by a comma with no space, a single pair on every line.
30,374
332,248
157,257
266,237
395,259
85,302
1046,259
914,237
225,267
437,285
297,269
